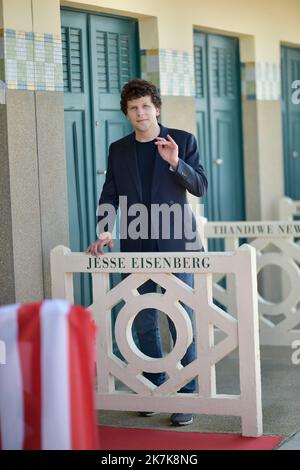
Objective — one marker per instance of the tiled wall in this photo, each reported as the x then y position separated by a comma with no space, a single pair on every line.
2,72
176,73
260,81
30,61
267,81
248,81
172,71
150,65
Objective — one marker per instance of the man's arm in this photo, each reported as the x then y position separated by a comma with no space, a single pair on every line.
187,168
189,172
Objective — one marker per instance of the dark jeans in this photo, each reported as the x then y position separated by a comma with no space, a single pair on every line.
147,328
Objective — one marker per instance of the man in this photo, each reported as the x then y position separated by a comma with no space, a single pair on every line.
153,166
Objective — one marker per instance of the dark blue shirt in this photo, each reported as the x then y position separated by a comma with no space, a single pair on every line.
146,154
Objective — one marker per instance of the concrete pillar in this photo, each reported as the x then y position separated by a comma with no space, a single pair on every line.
33,168
262,128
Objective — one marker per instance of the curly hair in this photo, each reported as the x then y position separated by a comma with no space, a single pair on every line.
137,88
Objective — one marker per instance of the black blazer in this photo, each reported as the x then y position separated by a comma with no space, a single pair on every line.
168,187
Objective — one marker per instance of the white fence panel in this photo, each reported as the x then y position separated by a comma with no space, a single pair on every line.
288,208
241,331
273,241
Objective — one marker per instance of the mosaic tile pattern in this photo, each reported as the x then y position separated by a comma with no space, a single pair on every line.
260,81
267,81
2,70
248,84
176,73
150,66
32,61
172,71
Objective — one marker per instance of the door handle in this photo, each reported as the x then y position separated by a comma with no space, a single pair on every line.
295,154
218,161
99,172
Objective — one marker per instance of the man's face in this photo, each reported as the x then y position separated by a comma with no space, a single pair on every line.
142,114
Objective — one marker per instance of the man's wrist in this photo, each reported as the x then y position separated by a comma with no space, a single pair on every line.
174,166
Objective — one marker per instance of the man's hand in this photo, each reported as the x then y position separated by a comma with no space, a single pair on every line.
168,150
96,248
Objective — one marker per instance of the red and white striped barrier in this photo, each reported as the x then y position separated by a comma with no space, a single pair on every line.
47,381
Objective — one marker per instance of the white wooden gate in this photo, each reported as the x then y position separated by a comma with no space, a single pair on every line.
274,244
241,331
288,208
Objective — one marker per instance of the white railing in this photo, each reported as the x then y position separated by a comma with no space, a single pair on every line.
241,331
288,208
273,241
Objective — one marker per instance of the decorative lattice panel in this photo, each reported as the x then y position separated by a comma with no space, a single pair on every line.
275,248
240,332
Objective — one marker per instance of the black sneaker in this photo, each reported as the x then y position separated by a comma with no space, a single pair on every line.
147,414
181,419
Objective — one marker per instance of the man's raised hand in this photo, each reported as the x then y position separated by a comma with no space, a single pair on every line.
168,150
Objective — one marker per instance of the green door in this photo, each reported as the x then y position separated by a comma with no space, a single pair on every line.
100,54
78,139
219,130
113,63
290,71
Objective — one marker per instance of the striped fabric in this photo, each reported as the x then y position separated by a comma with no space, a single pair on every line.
46,385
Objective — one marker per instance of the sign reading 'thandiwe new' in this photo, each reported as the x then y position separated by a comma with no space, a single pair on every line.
252,229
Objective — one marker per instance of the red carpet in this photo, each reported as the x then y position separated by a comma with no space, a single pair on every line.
112,438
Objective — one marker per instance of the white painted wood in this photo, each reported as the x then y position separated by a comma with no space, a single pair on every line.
241,331
133,263
262,229
288,208
280,234
60,280
248,335
225,405
127,345
231,244
102,317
